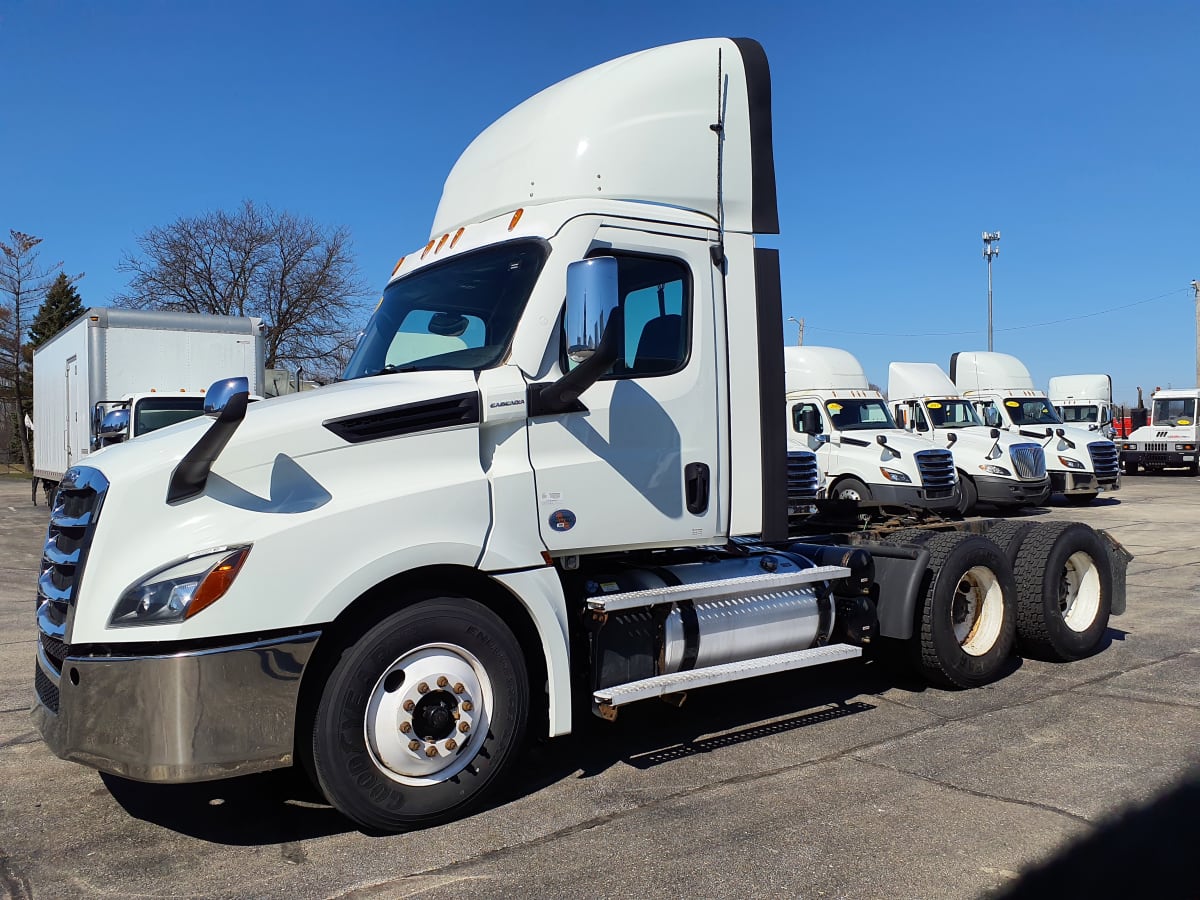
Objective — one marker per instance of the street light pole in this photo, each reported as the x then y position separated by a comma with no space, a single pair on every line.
989,238
1196,290
799,330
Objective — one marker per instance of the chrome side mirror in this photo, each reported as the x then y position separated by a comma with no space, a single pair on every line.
114,427
221,394
591,299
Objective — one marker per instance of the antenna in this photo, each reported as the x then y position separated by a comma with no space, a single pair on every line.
717,250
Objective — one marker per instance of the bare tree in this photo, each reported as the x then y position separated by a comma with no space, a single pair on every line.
23,284
298,277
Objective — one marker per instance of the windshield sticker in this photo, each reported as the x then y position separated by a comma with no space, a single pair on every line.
834,407
1013,403
1184,422
933,404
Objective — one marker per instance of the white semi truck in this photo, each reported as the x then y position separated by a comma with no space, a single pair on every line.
554,478
833,410
993,466
1084,401
1171,439
149,369
1081,463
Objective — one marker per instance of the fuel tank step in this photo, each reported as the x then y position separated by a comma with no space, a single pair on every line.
608,699
720,589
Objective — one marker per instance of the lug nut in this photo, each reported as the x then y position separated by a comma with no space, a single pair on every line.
406,727
443,681
408,705
414,745
459,688
451,744
431,751
466,705
422,688
464,727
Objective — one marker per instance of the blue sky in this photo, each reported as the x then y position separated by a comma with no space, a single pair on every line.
902,131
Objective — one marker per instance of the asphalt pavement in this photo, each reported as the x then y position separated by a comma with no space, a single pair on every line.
850,780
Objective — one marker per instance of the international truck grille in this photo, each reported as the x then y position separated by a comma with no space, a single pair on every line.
80,496
1029,460
803,476
1153,448
427,415
937,471
1104,458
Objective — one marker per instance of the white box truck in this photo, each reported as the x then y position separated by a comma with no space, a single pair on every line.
554,478
832,410
993,466
1081,463
1171,438
155,366
1084,401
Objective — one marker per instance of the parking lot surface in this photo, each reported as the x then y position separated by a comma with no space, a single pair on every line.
851,780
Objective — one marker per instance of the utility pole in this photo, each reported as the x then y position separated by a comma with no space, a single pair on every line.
989,238
1196,291
800,329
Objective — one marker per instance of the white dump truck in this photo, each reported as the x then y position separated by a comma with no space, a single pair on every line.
143,370
994,466
553,479
1084,401
833,410
1081,463
1171,439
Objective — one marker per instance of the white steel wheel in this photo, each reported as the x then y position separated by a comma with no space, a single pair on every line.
978,610
428,714
1079,591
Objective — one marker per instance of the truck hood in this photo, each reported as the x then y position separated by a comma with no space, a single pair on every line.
293,425
1163,433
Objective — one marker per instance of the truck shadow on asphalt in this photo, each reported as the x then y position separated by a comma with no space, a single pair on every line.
281,807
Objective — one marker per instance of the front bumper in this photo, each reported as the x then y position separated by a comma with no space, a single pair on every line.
1082,483
188,716
1158,459
1008,492
914,495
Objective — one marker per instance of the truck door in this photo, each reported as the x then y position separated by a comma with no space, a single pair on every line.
640,465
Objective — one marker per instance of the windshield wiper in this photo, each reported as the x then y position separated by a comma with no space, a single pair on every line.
392,369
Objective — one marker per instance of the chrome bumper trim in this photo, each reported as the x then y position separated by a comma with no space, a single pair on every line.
191,716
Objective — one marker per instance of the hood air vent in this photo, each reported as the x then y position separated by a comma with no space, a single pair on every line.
427,415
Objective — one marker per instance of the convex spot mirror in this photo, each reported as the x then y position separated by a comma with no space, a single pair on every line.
221,395
113,427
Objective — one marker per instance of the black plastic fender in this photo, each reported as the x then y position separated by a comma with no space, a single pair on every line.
899,571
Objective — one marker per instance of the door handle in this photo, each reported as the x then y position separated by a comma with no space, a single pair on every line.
695,480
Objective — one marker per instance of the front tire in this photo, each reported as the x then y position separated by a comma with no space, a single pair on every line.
968,495
852,489
966,627
421,716
1065,591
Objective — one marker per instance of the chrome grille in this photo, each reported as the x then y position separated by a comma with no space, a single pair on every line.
803,476
80,495
1029,460
936,468
1104,458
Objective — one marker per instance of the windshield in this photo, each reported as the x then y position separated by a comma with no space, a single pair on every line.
1085,414
858,415
153,413
457,315
1031,411
1179,411
952,414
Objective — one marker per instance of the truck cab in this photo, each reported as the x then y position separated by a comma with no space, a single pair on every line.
1081,464
993,466
1084,401
833,411
1171,438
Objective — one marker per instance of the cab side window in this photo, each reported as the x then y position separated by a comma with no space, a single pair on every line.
920,423
656,306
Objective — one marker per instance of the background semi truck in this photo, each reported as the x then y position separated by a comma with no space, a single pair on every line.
1081,463
155,365
516,509
833,410
993,466
1171,438
1084,401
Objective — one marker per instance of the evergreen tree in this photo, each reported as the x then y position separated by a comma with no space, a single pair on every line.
61,307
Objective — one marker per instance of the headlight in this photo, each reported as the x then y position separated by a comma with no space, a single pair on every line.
995,470
894,475
180,590
1071,463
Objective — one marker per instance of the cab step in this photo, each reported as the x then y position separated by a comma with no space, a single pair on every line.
720,589
608,699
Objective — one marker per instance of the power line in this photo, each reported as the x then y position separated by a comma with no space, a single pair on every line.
1099,312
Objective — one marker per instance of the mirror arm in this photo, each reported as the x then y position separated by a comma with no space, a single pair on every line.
562,395
191,475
